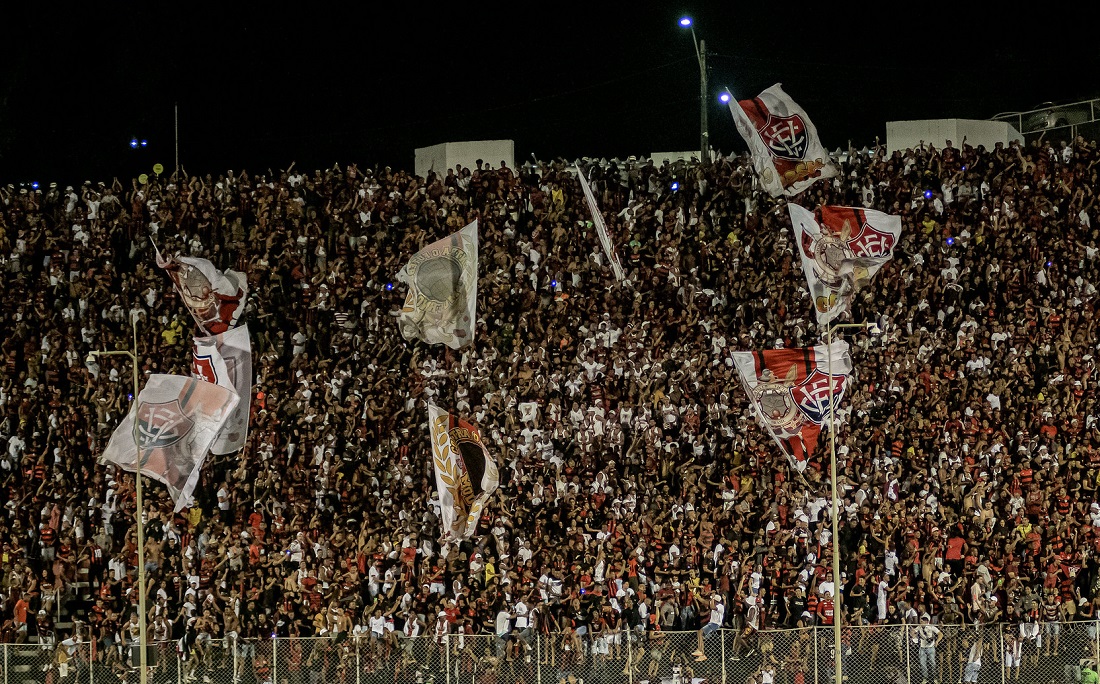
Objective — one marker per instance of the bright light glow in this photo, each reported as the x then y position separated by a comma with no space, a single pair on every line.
927,194
134,144
389,286
685,22
144,143
950,241
35,186
724,98
675,187
553,283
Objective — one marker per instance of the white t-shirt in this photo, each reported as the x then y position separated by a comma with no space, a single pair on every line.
377,625
718,613
503,618
521,615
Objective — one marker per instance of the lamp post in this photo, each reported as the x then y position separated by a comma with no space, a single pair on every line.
701,56
142,642
837,607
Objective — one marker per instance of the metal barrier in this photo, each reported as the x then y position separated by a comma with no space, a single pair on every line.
1043,653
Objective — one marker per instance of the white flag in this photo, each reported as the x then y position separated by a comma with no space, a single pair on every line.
465,475
177,420
841,253
226,360
786,150
440,307
601,229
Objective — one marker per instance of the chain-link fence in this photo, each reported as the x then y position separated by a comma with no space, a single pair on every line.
1033,652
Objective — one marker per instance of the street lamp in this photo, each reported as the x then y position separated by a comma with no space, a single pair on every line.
837,607
142,642
701,56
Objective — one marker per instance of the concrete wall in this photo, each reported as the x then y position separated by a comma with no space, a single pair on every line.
902,135
446,155
659,158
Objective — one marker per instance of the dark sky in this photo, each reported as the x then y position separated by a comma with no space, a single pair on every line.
259,86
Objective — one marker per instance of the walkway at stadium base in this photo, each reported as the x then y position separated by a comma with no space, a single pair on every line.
1047,652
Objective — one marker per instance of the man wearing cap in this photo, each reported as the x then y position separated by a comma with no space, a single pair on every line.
717,614
928,636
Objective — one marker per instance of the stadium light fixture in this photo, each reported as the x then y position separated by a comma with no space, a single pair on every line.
688,23
134,143
724,97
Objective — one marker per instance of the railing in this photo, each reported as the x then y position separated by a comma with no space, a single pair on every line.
1068,118
989,654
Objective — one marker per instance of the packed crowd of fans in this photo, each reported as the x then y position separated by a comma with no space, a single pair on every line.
638,494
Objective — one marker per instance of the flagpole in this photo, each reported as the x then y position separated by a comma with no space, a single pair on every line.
838,666
143,673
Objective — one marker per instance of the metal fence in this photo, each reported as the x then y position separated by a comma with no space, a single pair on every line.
1040,653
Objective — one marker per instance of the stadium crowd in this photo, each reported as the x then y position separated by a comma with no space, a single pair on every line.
637,493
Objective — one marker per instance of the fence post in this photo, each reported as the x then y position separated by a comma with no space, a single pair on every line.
236,665
630,655
908,652
1004,656
722,636
817,672
5,663
358,664
447,655
538,658
274,660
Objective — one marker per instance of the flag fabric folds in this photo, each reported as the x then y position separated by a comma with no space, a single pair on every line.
465,474
216,299
177,420
786,151
789,392
601,228
440,307
226,360
842,252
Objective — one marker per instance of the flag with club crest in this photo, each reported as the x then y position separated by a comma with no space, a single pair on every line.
465,474
786,151
601,228
216,299
440,307
177,420
842,252
789,391
226,360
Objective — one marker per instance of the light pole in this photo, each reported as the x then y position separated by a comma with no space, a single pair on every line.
142,642
701,56
837,607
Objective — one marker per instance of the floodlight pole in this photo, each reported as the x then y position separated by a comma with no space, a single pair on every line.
142,639
837,607
701,57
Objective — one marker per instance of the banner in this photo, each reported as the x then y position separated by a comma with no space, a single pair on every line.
786,150
226,360
842,253
177,420
601,229
465,475
215,299
789,391
440,307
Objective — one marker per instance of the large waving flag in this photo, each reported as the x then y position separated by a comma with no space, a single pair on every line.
440,307
177,420
789,391
465,474
786,150
842,253
226,360
216,299
601,228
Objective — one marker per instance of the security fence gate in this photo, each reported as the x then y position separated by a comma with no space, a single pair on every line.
1040,653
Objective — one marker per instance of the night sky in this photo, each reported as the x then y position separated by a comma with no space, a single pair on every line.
259,86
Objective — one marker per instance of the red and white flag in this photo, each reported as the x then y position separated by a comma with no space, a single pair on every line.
789,390
786,151
841,252
601,228
177,421
226,360
216,299
465,474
